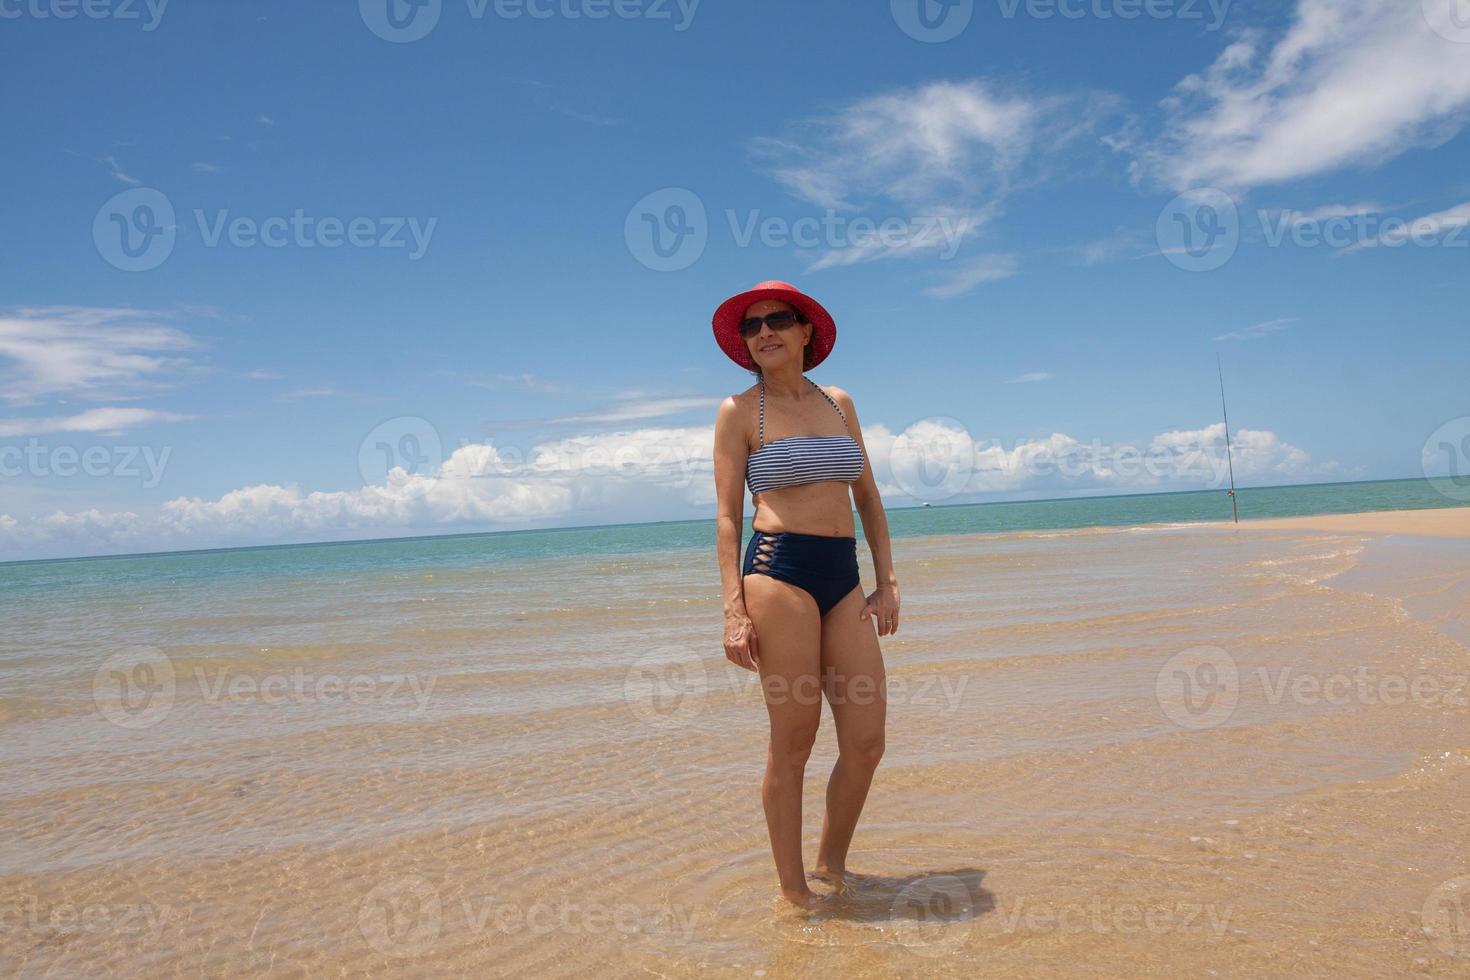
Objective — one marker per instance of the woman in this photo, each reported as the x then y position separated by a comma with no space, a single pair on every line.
794,609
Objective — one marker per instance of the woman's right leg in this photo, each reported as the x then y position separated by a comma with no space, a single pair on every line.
788,634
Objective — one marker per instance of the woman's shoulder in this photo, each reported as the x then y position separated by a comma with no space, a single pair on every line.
741,397
839,395
735,403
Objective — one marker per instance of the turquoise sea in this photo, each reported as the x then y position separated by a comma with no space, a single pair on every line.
467,551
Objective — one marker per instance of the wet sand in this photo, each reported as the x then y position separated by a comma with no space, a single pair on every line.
1153,751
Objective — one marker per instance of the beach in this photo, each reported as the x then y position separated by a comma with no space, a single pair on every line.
1145,750
1449,522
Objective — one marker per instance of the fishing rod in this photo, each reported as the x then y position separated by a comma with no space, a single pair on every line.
1229,459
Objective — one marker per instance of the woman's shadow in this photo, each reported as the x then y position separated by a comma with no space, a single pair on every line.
923,898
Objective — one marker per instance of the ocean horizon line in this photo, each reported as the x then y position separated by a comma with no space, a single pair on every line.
448,536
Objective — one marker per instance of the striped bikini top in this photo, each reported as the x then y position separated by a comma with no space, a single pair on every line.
802,459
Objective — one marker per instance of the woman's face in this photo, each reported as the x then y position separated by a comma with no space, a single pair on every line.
771,348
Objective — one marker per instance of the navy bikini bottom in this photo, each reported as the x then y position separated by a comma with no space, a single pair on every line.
826,567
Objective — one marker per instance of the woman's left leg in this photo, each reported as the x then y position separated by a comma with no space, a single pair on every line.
854,682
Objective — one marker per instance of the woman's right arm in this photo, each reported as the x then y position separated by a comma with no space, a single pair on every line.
731,451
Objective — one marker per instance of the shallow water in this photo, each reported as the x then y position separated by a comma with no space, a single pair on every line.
1146,751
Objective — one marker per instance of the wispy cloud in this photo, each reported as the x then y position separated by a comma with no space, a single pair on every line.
1256,330
1126,243
116,170
523,379
1350,82
548,98
1330,212
1426,228
322,391
950,151
962,275
205,168
265,120
88,352
644,409
1029,378
912,145
109,421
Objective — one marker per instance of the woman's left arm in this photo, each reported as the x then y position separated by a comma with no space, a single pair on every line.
883,603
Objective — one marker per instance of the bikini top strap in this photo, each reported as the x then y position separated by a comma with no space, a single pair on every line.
831,402
763,412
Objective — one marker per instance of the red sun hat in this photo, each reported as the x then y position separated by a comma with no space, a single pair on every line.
729,314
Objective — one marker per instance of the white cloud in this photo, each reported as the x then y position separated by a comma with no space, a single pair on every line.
1350,82
104,420
116,170
547,97
959,467
1428,228
949,151
1124,242
913,145
1256,330
1330,212
1258,454
524,379
962,275
647,474
644,409
86,352
119,527
466,491
297,394
1029,378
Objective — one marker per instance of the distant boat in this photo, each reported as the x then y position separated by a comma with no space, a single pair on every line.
926,503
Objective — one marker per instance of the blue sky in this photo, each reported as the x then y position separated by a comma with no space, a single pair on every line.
462,280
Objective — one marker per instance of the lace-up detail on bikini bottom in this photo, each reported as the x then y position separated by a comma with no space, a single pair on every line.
763,553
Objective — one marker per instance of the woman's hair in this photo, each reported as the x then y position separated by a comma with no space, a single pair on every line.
807,353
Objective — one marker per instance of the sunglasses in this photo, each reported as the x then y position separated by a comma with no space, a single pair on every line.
780,320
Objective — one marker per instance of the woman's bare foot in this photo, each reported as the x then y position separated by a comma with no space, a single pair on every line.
842,880
802,897
836,877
